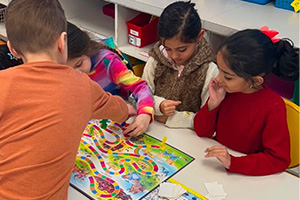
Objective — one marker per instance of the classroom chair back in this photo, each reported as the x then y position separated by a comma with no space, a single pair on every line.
292,111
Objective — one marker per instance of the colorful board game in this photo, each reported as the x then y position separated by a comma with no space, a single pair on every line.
113,166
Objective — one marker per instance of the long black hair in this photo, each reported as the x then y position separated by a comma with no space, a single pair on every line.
250,53
179,19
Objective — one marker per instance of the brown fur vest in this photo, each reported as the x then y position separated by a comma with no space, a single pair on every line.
188,87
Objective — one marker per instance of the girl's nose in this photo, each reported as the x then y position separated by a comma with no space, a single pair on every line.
218,78
174,56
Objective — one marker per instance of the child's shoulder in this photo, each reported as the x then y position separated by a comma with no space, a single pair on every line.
269,92
262,98
271,99
105,53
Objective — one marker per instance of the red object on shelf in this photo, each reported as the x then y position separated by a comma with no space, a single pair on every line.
142,30
109,10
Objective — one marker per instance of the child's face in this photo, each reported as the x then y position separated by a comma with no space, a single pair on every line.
229,80
82,64
180,52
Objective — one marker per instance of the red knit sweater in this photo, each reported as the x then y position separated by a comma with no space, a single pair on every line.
254,124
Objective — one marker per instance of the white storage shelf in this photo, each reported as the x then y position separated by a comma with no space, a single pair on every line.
2,26
219,17
89,15
2,31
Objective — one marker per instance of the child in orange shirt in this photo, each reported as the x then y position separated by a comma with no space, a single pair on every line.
45,104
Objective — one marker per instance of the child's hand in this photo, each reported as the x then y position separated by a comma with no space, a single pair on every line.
220,153
216,94
139,125
161,119
168,107
131,111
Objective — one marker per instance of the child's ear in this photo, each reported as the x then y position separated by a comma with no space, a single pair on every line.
62,43
257,81
12,50
200,35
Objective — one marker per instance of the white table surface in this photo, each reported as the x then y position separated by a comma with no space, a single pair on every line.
201,170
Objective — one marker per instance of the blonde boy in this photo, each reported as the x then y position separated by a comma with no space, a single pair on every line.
44,104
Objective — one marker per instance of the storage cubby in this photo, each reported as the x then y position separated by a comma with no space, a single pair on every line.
219,19
89,15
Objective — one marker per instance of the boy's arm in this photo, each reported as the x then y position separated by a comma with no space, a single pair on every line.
107,106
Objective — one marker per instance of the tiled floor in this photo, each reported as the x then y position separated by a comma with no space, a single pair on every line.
294,171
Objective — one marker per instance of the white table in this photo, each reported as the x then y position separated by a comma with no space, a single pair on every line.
202,170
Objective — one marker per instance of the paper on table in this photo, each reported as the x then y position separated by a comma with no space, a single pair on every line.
170,190
166,190
215,189
214,198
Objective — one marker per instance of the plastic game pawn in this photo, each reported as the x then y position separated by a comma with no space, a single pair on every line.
163,143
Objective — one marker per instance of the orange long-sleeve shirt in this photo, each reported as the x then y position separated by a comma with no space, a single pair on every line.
44,108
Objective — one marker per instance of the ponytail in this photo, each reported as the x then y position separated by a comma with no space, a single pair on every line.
287,65
252,52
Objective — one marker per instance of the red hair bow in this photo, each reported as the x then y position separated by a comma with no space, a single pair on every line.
270,33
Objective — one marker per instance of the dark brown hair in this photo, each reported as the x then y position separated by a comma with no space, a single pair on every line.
80,43
179,19
250,53
33,26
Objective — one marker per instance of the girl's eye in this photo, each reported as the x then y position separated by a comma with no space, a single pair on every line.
167,49
78,65
228,79
182,50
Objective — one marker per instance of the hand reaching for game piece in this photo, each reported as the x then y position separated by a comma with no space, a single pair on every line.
168,107
220,153
139,125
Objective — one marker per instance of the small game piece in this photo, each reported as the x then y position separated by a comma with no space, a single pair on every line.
163,143
109,151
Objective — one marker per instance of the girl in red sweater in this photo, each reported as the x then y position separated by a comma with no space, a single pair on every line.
244,115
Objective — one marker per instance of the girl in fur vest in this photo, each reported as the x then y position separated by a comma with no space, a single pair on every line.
180,66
